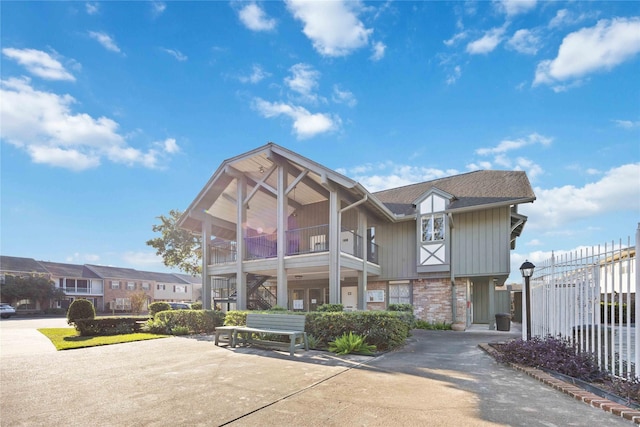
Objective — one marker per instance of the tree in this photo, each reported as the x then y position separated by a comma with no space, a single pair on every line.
32,287
138,300
177,247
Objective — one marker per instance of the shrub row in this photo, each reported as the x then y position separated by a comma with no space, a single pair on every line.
196,321
384,329
108,325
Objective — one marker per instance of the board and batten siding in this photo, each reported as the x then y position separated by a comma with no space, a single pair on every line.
481,242
397,243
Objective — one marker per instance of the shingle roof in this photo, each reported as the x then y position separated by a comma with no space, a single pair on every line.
107,272
19,264
69,270
470,189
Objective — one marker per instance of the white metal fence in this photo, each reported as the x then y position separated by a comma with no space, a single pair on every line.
588,297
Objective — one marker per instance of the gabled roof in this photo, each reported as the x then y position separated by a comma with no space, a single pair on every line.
107,272
69,270
470,190
21,265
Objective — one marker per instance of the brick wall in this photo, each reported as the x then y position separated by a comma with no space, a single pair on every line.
432,300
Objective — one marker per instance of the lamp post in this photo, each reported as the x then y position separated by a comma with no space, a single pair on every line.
527,271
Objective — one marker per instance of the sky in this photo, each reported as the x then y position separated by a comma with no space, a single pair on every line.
113,113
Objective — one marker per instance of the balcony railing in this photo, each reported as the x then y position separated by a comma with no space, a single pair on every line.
299,241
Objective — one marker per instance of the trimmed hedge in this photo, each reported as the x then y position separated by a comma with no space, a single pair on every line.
80,308
108,325
157,307
386,330
197,321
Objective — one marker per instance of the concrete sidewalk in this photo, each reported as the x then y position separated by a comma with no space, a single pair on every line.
439,378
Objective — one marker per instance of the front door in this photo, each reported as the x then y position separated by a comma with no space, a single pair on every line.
480,301
315,299
350,298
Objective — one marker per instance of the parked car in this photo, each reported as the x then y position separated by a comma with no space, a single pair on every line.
180,306
6,311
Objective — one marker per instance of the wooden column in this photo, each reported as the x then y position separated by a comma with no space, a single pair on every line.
362,276
283,223
206,280
241,217
334,247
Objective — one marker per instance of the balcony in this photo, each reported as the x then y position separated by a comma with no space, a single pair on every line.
299,241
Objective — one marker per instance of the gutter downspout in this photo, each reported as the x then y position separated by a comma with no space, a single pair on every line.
454,308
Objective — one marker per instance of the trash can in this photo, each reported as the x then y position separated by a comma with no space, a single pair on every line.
503,322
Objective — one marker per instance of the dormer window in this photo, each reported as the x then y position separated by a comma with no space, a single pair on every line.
433,228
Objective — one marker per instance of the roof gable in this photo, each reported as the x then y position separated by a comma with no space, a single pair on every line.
11,264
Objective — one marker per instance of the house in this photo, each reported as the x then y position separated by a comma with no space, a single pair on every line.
279,228
108,288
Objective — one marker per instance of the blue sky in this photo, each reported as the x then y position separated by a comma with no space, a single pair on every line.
116,112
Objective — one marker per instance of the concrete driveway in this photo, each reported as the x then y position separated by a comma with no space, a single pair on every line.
438,379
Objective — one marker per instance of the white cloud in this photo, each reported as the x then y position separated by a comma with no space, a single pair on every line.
255,19
508,145
77,257
598,48
333,26
256,76
378,51
454,75
343,97
303,80
92,7
43,125
105,40
525,41
456,38
385,175
565,17
627,124
515,7
39,63
617,190
305,124
486,43
158,8
170,146
176,54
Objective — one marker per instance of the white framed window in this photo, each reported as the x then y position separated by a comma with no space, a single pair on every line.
145,286
432,228
180,289
131,286
160,287
115,284
400,293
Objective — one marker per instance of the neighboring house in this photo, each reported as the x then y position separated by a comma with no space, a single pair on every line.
108,288
17,266
279,228
77,281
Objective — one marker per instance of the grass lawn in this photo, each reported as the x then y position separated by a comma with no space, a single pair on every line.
68,338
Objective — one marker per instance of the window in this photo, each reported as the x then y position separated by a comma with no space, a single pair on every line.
131,286
115,284
160,287
400,293
433,228
145,286
179,289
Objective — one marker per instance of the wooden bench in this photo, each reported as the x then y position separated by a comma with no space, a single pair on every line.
258,325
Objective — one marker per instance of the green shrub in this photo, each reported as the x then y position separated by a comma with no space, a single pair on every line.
386,330
196,306
401,307
153,326
180,330
236,318
312,341
80,309
277,308
330,308
439,326
196,321
108,326
157,307
351,343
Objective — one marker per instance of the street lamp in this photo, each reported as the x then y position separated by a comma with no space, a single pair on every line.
527,271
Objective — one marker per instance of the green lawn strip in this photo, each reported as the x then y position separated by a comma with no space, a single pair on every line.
68,338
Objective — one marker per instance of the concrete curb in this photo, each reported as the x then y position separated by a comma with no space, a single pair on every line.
576,392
